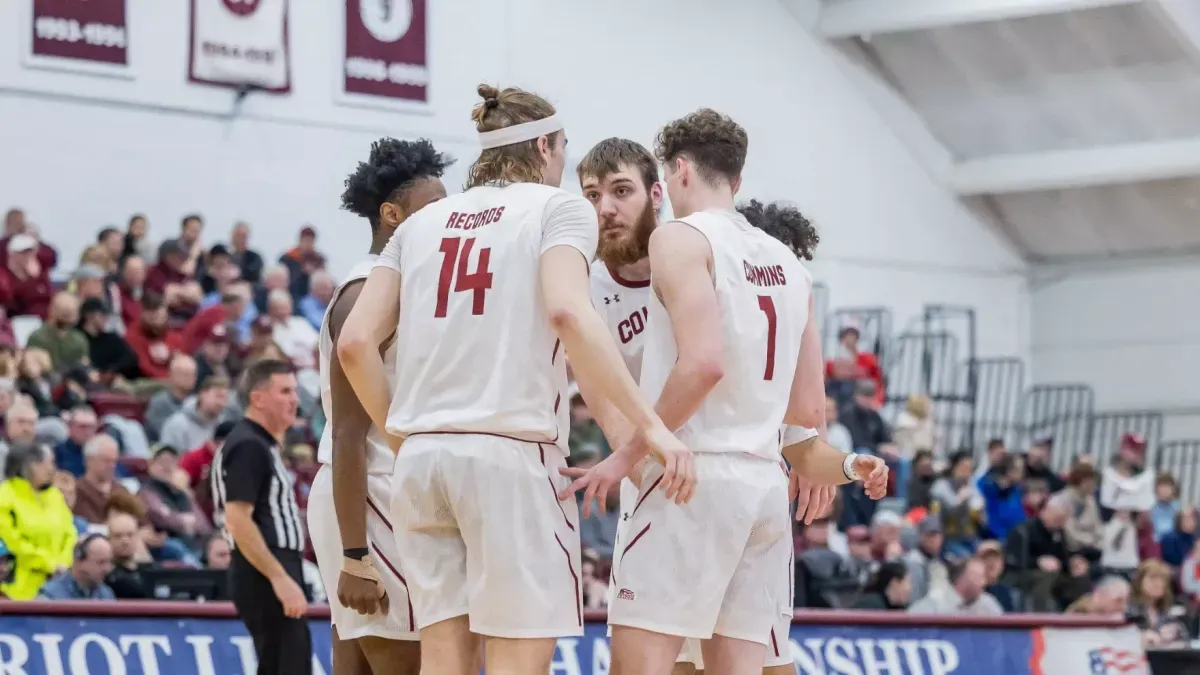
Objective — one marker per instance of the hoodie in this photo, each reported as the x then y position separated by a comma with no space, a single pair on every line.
187,428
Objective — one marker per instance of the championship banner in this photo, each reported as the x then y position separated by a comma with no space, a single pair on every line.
83,36
385,55
240,42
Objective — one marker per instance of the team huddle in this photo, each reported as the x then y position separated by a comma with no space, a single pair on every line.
443,360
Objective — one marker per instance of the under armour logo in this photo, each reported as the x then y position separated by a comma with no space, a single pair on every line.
625,517
614,298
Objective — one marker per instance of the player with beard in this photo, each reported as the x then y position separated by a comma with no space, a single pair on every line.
620,179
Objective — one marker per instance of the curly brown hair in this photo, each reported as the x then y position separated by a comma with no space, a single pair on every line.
784,222
519,162
712,141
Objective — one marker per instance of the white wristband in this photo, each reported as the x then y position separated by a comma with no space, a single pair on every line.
848,468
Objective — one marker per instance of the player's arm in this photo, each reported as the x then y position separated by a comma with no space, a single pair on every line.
681,258
371,321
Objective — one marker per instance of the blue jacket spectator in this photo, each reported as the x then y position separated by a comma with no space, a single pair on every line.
1001,490
1177,544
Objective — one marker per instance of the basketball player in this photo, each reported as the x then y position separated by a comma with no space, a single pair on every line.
620,178
725,331
485,290
373,629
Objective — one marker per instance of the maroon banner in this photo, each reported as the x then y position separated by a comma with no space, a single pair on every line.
386,52
92,31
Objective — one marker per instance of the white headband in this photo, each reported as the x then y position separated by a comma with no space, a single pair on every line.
526,131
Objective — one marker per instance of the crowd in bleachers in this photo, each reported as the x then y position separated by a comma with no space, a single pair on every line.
116,390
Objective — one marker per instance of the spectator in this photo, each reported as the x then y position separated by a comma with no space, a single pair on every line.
181,381
85,579
867,429
1189,574
838,435
190,228
293,334
197,462
195,422
320,294
170,508
920,486
65,483
1166,505
1037,464
1084,529
860,560
217,553
1119,546
1001,490
820,561
1179,542
925,566
169,279
113,241
34,381
152,340
214,358
25,287
1152,602
98,485
1126,484
1110,598
996,451
108,352
219,270
959,505
886,529
1035,553
82,425
889,588
275,278
35,522
914,427
1034,495
991,553
201,326
131,289
58,336
850,366
136,243
964,596
248,261
6,567
129,558
46,256
302,262
20,426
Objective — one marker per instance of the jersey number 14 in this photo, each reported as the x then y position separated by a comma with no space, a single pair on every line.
455,254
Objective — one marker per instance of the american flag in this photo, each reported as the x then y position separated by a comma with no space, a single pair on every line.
1109,661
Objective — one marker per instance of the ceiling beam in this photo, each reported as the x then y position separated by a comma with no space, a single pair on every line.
1064,169
1182,18
854,18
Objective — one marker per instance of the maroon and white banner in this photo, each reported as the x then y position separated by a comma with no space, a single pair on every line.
240,42
385,59
90,36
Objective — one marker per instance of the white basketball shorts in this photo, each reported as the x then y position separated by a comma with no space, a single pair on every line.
713,565
485,536
399,623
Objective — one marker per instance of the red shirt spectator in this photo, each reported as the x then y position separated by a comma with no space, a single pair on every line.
168,271
131,286
151,340
25,287
15,224
852,365
201,326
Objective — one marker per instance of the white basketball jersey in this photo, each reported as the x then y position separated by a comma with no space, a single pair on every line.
763,292
380,457
478,352
622,305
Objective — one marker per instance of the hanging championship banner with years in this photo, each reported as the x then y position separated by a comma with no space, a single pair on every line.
83,36
385,55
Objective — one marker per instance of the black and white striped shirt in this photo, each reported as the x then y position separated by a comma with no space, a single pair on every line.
248,468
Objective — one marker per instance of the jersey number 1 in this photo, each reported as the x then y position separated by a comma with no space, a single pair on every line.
478,281
767,305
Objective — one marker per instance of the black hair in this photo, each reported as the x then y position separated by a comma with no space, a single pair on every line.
785,223
392,167
885,575
105,232
189,218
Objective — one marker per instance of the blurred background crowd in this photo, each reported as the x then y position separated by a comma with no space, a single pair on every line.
117,377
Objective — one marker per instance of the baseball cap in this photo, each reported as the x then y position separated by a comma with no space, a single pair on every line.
218,333
21,242
929,525
990,546
88,271
1133,440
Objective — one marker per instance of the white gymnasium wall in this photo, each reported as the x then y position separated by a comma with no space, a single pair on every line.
85,151
1131,331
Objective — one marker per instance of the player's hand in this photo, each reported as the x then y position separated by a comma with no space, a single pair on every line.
679,469
812,501
875,475
362,595
597,481
290,596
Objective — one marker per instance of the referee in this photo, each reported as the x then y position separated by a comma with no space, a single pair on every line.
254,490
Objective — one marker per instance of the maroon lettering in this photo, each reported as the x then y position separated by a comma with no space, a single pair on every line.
771,275
632,326
473,221
453,217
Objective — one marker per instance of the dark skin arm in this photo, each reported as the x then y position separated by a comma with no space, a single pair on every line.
350,424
